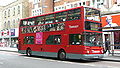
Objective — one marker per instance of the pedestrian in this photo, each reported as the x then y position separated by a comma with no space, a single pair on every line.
17,43
107,46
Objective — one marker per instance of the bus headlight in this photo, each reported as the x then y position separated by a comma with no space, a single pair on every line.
102,51
88,51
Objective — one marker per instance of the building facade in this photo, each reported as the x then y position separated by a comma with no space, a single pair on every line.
38,7
11,15
1,7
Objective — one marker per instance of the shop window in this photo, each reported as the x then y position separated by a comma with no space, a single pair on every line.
61,16
74,14
75,39
117,39
40,20
54,40
49,18
29,40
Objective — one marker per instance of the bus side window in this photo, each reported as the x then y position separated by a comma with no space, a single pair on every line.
40,20
73,14
75,39
61,16
49,18
29,40
31,22
54,40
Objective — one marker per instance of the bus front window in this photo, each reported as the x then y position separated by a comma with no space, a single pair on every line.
92,14
92,39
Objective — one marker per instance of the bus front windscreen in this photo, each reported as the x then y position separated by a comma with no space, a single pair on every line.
92,39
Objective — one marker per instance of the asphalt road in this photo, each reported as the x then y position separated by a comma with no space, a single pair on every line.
16,60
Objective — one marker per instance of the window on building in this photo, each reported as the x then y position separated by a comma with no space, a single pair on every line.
9,24
5,14
74,14
56,0
61,16
75,5
18,9
98,0
49,18
33,13
13,11
9,13
80,4
88,3
18,20
13,23
5,24
54,40
83,3
75,39
29,40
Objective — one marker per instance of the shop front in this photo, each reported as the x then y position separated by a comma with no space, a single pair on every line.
111,32
9,38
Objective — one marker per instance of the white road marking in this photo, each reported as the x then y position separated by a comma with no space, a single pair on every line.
60,61
85,64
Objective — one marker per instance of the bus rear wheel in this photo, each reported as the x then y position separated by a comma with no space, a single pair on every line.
29,52
62,55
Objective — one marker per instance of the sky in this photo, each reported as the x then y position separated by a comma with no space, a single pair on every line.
6,2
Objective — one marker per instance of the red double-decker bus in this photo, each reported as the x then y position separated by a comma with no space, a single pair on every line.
73,33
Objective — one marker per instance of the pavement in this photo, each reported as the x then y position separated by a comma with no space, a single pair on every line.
107,56
8,49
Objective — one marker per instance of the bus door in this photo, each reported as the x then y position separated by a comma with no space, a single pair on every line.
74,43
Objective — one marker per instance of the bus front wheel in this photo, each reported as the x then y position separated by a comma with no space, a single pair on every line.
62,55
29,52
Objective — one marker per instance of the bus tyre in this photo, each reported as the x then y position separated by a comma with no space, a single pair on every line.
29,52
62,55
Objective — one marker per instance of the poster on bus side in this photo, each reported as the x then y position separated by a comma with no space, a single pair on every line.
39,37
